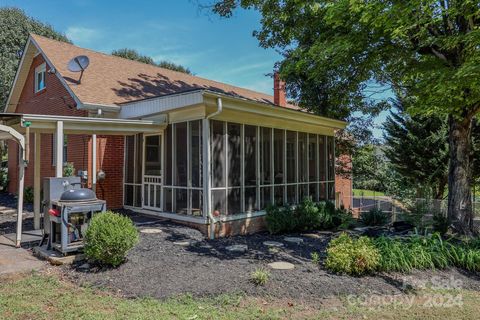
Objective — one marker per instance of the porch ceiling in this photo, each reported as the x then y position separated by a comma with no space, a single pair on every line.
82,125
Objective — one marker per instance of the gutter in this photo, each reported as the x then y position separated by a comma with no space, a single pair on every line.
207,162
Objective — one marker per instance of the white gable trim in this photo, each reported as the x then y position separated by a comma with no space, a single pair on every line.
24,66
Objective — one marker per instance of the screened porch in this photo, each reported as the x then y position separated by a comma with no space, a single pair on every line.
231,169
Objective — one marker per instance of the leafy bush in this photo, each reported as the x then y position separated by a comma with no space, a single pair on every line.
352,256
3,179
109,237
28,195
374,217
260,277
280,219
308,215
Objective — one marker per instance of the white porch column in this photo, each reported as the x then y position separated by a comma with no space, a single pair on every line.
59,148
207,194
37,181
94,162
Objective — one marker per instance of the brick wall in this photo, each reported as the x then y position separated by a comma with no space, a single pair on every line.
56,100
110,157
343,182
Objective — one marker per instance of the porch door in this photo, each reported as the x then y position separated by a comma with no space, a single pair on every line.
153,172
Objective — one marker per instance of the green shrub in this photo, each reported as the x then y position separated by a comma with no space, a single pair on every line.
280,219
374,217
308,215
315,257
352,256
109,237
260,277
28,195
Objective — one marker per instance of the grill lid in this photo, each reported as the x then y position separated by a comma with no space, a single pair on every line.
82,194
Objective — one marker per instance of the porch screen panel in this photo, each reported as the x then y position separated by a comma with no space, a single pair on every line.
153,153
250,165
181,154
218,153
265,167
196,153
133,171
279,166
291,158
234,154
168,155
322,158
331,158
312,167
129,159
302,157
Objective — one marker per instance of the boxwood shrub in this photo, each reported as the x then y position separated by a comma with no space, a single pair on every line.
109,237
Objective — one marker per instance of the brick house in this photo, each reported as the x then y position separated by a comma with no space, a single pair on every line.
170,144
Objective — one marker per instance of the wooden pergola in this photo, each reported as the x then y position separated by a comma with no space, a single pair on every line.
18,127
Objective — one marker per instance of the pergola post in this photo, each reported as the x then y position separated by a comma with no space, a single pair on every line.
37,181
21,177
59,148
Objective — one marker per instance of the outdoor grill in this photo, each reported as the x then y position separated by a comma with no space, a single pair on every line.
69,210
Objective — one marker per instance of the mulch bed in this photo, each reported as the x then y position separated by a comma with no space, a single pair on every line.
8,222
157,267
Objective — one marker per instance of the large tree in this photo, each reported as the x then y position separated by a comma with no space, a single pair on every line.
132,54
15,27
417,148
429,48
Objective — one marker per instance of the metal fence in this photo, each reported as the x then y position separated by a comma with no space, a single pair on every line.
395,207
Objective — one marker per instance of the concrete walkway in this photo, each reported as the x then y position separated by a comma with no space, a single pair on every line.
13,260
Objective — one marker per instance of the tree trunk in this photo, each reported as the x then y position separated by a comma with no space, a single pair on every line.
460,211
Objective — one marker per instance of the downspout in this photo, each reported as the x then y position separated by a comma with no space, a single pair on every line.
207,166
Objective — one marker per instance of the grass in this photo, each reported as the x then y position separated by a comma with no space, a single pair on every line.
367,193
39,296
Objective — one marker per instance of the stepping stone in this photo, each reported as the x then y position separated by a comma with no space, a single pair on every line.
311,235
151,230
185,243
281,265
295,240
273,244
238,248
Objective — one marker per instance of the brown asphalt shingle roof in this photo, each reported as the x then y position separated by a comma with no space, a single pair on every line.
113,80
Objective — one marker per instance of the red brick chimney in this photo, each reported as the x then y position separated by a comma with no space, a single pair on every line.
279,95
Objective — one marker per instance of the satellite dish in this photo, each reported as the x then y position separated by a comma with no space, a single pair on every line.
78,64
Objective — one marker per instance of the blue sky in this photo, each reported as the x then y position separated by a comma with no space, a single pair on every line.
174,30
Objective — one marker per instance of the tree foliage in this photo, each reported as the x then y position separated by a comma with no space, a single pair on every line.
428,48
15,26
132,54
417,148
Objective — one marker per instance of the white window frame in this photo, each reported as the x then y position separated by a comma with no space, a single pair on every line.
41,69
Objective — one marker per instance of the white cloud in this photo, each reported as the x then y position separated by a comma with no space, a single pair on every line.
83,36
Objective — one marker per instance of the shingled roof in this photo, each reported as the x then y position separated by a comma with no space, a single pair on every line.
111,80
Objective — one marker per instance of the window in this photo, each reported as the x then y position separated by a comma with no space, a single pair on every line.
40,73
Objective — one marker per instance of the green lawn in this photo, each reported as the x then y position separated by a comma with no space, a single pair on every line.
366,193
40,296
